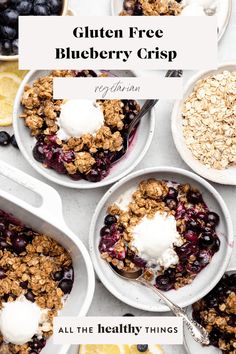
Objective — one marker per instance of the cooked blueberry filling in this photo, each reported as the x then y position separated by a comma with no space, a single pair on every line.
35,267
195,224
90,156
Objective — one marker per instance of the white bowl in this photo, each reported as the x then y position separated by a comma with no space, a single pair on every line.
136,295
135,154
223,16
193,347
227,176
49,219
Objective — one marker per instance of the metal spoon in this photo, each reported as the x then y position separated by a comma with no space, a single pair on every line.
148,105
198,332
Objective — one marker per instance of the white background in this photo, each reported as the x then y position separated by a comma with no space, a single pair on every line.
79,205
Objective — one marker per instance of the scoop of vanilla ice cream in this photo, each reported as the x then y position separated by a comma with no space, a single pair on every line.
203,3
19,320
193,10
154,239
79,117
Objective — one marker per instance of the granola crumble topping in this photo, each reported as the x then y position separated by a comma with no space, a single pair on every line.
89,156
28,264
198,240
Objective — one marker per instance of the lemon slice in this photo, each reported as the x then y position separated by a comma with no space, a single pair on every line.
9,84
102,349
12,67
152,349
117,349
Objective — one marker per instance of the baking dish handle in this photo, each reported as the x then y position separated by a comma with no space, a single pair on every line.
51,200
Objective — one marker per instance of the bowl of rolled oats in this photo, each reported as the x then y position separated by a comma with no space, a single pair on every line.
221,8
76,143
170,223
45,270
203,124
216,312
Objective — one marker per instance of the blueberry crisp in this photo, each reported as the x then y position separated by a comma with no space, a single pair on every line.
10,10
163,227
217,313
79,138
36,276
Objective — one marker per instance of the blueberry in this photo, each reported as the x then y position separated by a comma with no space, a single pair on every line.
9,17
4,138
216,245
193,225
164,283
138,10
14,142
19,244
41,10
30,296
2,274
213,219
110,220
57,276
8,32
206,240
24,284
40,2
66,285
104,231
55,7
6,47
24,7
4,4
142,348
171,203
14,2
94,175
194,197
37,344
38,152
15,52
68,273
172,193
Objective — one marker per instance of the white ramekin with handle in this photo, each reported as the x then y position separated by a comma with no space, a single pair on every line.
48,218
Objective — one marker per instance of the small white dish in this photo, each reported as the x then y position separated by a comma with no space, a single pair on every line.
223,13
227,176
137,149
193,347
137,295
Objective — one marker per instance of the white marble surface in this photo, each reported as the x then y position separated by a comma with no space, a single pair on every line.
79,205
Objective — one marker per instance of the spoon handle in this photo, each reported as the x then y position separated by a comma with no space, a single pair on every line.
146,107
151,103
198,332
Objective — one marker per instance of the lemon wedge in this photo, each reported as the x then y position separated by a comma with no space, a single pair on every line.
9,84
12,67
117,349
102,349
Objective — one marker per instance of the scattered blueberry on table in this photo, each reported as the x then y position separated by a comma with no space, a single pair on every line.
6,139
